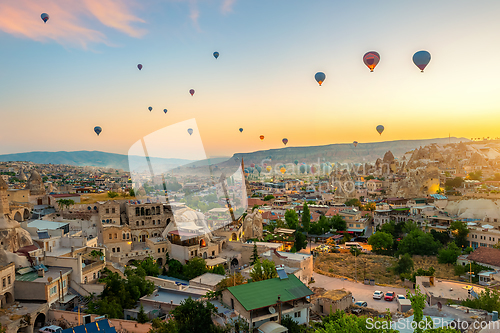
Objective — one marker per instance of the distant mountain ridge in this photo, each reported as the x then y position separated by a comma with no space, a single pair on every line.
338,152
86,158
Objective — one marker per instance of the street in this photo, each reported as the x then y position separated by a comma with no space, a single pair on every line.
360,291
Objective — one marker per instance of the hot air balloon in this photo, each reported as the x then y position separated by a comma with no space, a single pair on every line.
216,55
320,77
296,162
355,143
261,137
241,130
302,168
380,129
150,109
165,110
283,170
269,168
190,131
313,169
259,169
371,60
191,92
98,130
285,141
265,164
252,165
45,17
421,59
139,66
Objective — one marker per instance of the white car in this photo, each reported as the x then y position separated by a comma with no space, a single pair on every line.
50,329
378,294
400,297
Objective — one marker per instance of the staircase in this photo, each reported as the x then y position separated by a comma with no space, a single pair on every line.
82,300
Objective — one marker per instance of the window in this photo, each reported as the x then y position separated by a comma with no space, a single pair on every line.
213,253
94,276
110,236
53,290
113,250
154,222
137,223
8,280
117,249
128,235
158,250
296,314
3,283
107,210
123,235
64,283
350,224
137,211
116,236
113,210
142,222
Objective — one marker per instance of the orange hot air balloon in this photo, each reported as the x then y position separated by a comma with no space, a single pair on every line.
262,137
371,60
283,170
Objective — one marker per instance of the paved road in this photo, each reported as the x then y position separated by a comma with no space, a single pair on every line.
360,292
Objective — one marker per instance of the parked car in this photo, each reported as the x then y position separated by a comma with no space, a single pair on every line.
50,329
389,296
400,296
361,303
378,294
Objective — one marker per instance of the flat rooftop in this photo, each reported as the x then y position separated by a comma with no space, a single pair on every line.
53,273
50,225
451,290
165,295
209,279
289,255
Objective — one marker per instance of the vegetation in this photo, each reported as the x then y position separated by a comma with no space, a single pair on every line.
120,293
460,232
292,219
263,271
268,197
149,266
195,267
381,242
306,218
418,242
488,300
231,281
300,241
449,254
255,255
142,317
65,203
405,265
112,194
190,316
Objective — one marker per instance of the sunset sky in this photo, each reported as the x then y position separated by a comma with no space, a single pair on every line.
77,71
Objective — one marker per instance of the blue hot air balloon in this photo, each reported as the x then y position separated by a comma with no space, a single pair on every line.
216,55
150,109
165,110
45,17
241,130
421,59
320,77
190,131
380,129
98,130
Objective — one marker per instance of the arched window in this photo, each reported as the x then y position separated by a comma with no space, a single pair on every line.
137,211
116,236
158,210
137,223
123,235
142,211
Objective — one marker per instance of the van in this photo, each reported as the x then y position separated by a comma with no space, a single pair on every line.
348,245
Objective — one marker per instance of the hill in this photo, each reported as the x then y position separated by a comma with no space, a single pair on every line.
87,158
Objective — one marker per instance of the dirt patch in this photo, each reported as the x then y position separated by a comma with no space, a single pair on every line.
89,198
443,271
369,266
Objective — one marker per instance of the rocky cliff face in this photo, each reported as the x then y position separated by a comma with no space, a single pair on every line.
252,225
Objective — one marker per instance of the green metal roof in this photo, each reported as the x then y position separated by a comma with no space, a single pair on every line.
27,277
256,295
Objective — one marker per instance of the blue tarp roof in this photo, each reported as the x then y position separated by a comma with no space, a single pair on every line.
95,327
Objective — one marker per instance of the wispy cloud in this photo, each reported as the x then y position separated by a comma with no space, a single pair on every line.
227,6
70,21
194,13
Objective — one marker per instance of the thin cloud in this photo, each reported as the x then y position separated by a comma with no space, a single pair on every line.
69,22
194,13
227,6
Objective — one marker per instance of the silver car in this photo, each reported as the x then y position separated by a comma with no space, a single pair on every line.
378,294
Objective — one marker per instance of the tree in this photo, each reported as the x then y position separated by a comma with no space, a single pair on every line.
292,325
300,241
306,218
355,251
354,202
65,203
417,303
255,255
441,236
418,243
404,265
195,267
231,281
263,271
149,266
340,322
455,182
268,197
381,242
219,269
131,192
449,254
112,194
338,223
475,175
292,219
460,232
142,317
488,300
190,316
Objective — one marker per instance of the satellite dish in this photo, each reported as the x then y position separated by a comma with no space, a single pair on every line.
272,310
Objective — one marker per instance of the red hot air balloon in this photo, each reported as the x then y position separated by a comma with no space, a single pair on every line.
285,141
371,60
252,165
191,92
262,137
139,66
